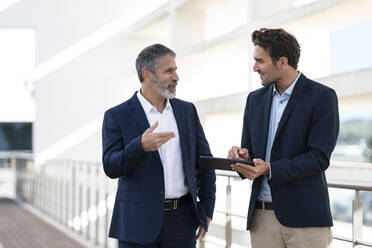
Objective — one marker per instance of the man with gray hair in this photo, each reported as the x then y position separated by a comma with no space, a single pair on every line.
152,144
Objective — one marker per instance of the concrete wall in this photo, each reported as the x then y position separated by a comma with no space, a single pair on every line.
85,52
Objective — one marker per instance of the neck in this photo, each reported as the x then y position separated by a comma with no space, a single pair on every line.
153,97
286,81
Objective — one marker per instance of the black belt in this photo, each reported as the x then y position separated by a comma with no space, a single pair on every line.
264,205
172,204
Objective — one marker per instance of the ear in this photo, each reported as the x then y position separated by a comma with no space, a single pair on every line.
146,73
283,62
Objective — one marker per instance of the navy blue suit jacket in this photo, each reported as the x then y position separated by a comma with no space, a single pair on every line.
305,138
138,210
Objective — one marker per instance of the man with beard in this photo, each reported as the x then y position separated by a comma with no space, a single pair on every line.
290,130
152,143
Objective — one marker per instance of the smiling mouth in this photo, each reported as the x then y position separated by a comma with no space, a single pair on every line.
172,85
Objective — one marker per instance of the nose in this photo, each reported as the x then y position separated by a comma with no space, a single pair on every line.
255,67
175,76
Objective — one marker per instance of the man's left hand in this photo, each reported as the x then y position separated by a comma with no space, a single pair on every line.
202,231
252,172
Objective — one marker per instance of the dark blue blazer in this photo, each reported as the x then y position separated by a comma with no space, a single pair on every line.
138,210
305,138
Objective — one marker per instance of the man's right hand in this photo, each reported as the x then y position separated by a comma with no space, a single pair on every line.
238,153
151,141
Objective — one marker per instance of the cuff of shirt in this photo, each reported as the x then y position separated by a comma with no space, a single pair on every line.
269,176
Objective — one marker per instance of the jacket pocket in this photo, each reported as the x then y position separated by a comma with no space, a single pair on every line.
129,196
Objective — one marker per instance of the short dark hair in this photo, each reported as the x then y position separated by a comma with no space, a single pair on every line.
278,43
149,57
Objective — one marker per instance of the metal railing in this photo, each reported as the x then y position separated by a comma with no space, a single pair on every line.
75,194
357,211
79,196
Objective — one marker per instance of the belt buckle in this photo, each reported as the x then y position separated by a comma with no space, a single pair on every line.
171,206
263,205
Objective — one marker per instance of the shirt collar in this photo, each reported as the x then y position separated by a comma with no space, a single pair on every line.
148,107
289,90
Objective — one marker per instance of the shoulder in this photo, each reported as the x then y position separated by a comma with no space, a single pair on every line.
259,93
318,90
120,108
181,103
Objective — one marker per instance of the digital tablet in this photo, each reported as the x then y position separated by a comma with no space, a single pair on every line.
220,163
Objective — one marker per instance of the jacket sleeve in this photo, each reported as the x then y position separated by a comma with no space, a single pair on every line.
246,137
206,179
322,139
119,159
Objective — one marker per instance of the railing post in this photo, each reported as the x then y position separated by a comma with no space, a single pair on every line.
61,200
73,195
42,190
13,166
357,219
88,191
228,235
106,214
80,200
97,187
201,243
50,197
31,173
54,193
67,196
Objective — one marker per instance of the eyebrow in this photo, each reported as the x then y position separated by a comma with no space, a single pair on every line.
171,68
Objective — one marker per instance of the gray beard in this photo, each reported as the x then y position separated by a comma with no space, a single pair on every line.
164,92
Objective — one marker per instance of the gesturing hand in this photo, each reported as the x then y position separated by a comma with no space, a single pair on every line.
151,141
238,153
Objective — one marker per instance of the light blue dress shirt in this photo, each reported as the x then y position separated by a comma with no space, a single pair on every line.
277,108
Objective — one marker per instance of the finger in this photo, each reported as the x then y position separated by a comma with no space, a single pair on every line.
152,128
164,135
243,171
204,233
163,140
258,161
199,232
233,153
230,154
160,142
238,169
243,151
243,168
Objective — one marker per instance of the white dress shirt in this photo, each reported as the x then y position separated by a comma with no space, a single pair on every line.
170,152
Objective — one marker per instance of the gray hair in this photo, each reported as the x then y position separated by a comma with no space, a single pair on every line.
149,58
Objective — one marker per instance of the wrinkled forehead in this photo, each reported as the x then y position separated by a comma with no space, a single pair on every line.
167,61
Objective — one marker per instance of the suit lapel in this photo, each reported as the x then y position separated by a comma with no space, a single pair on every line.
138,114
268,98
296,95
181,125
